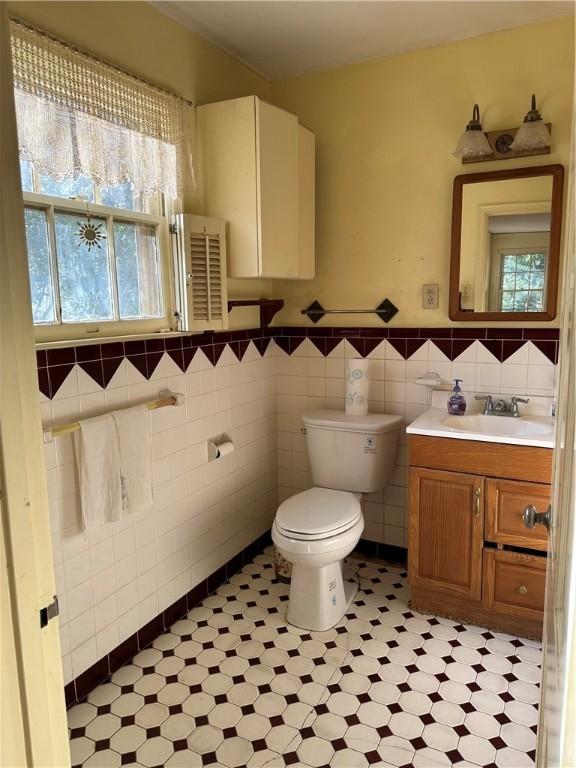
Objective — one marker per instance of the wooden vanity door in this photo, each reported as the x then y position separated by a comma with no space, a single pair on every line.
446,531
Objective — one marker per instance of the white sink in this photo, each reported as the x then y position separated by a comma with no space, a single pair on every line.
530,429
499,425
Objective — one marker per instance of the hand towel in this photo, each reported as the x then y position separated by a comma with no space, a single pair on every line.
98,460
133,427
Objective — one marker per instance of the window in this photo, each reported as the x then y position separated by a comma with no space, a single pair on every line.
103,158
522,280
119,277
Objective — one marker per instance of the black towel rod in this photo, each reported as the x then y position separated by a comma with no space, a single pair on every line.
385,311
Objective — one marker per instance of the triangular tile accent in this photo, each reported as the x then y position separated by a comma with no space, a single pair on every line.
58,375
399,345
200,362
177,356
109,367
413,345
218,351
262,344
94,369
509,346
284,343
139,362
357,343
152,361
44,382
320,343
444,345
242,346
494,346
187,355
548,348
295,342
370,345
331,344
459,346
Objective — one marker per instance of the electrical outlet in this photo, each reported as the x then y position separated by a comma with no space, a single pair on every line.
430,296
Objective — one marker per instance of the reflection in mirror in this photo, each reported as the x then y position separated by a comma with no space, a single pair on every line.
505,242
504,245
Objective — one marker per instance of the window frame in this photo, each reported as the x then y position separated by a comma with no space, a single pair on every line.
59,331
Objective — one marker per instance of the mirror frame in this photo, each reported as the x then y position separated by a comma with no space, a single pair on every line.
557,173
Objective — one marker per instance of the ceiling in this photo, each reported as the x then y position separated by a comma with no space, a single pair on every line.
283,39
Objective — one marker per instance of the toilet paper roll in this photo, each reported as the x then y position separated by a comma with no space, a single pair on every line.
357,385
224,449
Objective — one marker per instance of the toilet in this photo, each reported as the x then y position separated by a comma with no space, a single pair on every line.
315,530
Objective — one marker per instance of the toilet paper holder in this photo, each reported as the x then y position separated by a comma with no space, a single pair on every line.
220,446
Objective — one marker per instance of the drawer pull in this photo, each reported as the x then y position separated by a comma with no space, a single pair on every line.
523,590
532,517
477,495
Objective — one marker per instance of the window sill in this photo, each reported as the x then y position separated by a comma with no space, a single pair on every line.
107,339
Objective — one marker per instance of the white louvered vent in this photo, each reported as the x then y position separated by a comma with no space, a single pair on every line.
201,272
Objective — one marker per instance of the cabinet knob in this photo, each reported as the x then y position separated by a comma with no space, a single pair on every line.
523,590
532,517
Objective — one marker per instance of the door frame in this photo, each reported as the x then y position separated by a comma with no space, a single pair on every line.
34,732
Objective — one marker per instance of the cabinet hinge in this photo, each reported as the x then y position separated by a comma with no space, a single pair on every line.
173,229
49,612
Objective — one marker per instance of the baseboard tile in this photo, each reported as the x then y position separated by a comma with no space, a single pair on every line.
79,688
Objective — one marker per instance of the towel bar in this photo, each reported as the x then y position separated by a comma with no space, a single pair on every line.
166,398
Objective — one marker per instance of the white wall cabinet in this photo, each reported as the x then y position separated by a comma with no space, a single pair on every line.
258,173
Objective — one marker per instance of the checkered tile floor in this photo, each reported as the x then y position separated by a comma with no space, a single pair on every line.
234,685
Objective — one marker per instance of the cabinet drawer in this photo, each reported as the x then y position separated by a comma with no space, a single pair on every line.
506,501
514,584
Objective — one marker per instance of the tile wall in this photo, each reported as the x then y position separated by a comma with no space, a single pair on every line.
115,579
252,385
311,374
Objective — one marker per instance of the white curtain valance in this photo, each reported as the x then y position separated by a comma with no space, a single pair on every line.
77,115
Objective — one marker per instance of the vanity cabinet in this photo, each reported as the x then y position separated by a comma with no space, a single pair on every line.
470,557
257,168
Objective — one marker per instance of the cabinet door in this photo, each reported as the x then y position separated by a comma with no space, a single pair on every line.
306,204
277,171
446,531
506,501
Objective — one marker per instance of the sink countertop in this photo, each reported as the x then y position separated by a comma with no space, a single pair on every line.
436,422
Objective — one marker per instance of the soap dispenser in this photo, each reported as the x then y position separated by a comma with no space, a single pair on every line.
457,401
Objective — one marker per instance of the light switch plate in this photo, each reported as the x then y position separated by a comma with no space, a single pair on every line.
430,296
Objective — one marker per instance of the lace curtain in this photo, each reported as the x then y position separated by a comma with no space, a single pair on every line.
77,115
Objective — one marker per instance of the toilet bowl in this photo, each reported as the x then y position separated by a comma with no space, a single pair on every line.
317,528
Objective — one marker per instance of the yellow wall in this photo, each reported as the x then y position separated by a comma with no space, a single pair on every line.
385,131
140,39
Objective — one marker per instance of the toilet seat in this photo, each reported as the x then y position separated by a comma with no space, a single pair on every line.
318,513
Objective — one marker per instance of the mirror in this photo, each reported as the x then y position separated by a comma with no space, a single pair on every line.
506,244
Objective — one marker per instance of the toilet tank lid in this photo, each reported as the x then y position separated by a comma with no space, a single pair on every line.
375,423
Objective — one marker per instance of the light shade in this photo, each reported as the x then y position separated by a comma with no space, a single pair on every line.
533,133
473,144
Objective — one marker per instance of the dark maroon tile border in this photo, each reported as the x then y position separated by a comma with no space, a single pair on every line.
77,690
100,361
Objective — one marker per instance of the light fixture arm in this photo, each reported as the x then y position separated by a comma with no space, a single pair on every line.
533,114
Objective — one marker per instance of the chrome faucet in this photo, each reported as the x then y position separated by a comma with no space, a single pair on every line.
489,406
502,407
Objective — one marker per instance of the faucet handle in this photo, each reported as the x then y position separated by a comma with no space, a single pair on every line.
488,408
514,410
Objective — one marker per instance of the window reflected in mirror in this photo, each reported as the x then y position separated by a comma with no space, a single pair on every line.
505,243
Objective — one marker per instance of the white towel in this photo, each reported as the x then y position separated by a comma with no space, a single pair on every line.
133,426
98,461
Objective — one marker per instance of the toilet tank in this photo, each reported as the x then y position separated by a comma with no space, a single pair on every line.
351,453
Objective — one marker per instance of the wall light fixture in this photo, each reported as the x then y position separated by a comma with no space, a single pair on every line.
531,138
